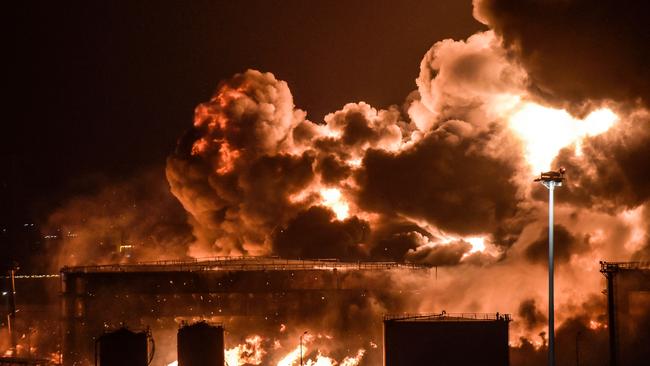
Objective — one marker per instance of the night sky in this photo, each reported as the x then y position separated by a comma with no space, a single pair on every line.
102,90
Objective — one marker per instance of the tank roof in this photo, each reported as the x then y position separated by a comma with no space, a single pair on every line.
448,317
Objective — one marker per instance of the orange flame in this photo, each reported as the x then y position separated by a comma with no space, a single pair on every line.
333,199
250,352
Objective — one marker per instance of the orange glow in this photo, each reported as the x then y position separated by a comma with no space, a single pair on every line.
248,353
227,158
355,163
321,361
545,131
292,357
478,243
199,147
635,221
333,199
595,325
354,360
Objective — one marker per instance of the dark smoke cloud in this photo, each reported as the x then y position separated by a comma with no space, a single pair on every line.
611,171
252,169
446,179
315,233
332,169
566,244
361,127
394,237
576,52
578,330
234,173
530,314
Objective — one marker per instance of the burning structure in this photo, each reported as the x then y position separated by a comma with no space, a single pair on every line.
265,292
446,339
628,301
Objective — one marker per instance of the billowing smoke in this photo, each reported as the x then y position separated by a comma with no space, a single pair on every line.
134,219
577,53
259,178
445,178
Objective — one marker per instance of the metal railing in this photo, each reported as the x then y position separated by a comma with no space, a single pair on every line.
607,267
444,316
240,264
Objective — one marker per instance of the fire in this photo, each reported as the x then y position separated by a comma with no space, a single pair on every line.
593,324
478,244
253,352
354,361
545,131
227,157
250,352
321,361
333,199
292,357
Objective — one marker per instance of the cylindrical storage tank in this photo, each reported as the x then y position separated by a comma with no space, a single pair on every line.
200,344
122,348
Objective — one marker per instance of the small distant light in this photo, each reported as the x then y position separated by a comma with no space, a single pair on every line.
4,293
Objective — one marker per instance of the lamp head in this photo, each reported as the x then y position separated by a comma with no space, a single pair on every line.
556,176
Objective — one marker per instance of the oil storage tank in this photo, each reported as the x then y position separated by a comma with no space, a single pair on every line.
200,344
446,339
123,347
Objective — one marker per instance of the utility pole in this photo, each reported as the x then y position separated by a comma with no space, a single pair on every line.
550,180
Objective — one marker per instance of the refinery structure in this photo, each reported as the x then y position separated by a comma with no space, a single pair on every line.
628,298
166,312
261,292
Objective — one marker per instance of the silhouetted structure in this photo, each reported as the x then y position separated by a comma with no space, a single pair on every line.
200,344
628,306
446,339
158,293
122,348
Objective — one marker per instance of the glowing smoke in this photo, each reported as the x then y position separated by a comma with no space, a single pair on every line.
445,179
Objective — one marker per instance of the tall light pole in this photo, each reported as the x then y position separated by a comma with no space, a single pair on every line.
301,336
551,180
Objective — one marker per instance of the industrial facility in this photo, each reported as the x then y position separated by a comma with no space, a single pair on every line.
176,310
446,339
628,301
159,293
